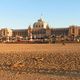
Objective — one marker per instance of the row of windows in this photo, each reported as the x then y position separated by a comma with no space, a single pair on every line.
39,32
20,33
39,25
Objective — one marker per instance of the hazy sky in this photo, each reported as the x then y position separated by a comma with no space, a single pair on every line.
22,13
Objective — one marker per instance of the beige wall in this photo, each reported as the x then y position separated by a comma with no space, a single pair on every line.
73,30
6,32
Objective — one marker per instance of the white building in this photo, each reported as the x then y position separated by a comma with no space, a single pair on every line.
6,33
39,30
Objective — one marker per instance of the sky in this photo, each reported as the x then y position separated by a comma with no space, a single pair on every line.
19,14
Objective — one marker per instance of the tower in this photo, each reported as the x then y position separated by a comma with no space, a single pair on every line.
30,32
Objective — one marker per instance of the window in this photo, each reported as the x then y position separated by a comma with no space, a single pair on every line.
36,25
39,25
79,32
73,30
4,32
42,25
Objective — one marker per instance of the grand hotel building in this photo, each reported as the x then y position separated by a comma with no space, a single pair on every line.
39,30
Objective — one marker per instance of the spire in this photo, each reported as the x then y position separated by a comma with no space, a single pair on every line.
29,27
41,17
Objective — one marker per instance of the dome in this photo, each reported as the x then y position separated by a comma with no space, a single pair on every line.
40,24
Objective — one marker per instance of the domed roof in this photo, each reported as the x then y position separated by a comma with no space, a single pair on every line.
40,23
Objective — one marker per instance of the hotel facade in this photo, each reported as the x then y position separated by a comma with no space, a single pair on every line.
40,31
